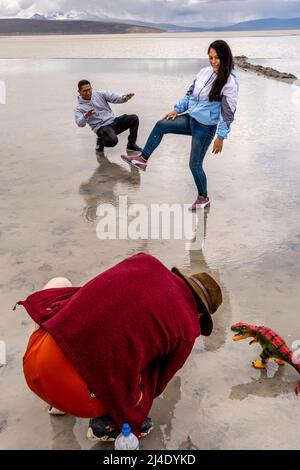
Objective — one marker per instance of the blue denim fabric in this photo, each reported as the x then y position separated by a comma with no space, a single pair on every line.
202,137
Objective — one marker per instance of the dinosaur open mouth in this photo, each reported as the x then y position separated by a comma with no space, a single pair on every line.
238,336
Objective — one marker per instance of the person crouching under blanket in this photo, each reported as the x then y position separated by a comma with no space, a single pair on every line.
107,349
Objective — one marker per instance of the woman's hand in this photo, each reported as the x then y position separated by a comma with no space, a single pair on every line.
218,145
171,115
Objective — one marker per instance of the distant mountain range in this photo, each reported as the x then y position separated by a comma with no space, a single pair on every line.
81,22
17,26
265,24
260,24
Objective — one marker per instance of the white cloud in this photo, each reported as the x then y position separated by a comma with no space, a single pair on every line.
12,7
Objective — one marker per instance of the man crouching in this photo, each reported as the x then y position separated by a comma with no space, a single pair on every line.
93,109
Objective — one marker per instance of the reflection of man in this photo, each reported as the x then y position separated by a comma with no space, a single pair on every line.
93,109
101,186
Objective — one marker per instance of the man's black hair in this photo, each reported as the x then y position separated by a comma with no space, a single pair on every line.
82,83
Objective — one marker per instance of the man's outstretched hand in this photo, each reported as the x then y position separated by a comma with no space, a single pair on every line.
128,96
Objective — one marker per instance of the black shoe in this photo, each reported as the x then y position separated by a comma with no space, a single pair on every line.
133,148
103,429
145,429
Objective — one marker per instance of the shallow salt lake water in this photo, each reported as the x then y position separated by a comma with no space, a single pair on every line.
51,186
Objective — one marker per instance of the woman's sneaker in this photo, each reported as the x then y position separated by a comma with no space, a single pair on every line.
200,203
136,160
103,429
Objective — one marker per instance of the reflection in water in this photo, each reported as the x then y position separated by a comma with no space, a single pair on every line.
100,188
3,421
109,67
200,230
63,434
264,386
188,445
162,414
166,408
197,263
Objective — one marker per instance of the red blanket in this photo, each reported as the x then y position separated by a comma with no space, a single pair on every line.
131,327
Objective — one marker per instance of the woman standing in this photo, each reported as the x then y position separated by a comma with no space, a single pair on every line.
208,107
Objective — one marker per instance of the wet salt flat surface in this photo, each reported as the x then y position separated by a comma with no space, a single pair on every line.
284,45
51,186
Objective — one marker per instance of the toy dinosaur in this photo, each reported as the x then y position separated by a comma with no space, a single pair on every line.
272,345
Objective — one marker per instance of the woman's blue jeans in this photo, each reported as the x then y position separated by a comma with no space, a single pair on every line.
202,137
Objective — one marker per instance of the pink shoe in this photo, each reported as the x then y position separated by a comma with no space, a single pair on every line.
200,203
136,160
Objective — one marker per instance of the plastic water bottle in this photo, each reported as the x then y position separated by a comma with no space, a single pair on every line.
126,440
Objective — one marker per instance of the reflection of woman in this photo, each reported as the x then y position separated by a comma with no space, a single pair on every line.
211,102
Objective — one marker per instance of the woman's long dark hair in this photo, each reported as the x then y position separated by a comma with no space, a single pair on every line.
226,65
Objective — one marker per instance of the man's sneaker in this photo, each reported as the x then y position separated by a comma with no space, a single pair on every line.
103,429
136,160
133,148
200,203
145,429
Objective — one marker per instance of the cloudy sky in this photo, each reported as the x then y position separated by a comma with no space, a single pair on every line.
215,12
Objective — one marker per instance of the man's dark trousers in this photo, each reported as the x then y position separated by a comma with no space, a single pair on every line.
107,135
